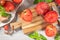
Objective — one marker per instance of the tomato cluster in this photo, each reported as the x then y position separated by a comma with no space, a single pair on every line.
50,16
9,5
42,8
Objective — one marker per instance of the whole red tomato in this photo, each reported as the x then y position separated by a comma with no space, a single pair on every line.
17,1
42,8
6,27
57,1
2,2
50,30
27,15
51,17
9,6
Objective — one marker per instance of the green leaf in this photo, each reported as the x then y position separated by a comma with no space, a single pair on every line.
42,37
57,37
37,1
48,1
2,12
31,36
5,14
36,36
2,8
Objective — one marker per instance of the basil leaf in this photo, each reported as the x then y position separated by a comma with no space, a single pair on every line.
57,37
42,37
36,36
2,12
5,14
48,1
2,8
32,36
37,1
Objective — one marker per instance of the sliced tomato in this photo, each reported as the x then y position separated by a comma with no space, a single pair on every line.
42,8
50,30
9,6
27,15
51,17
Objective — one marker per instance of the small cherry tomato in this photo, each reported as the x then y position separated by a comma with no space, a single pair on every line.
2,2
27,15
6,27
9,6
50,30
58,2
42,8
51,17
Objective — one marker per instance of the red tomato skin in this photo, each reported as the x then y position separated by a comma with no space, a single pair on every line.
2,2
17,1
6,27
27,15
9,6
42,8
50,30
51,17
58,2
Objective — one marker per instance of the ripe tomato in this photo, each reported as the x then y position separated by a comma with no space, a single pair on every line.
27,15
50,30
42,8
6,27
51,17
57,1
2,2
17,1
9,6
